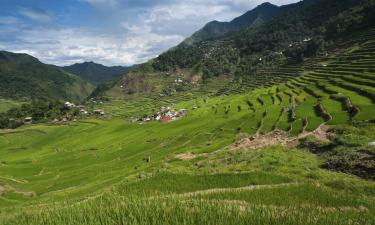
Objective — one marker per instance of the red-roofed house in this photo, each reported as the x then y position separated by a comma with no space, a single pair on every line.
166,119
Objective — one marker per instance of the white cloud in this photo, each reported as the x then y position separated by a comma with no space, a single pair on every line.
67,46
129,36
8,20
35,14
102,2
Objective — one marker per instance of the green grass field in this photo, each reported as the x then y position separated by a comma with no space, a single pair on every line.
195,170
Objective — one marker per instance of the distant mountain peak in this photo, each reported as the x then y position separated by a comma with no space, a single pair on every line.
96,73
266,4
255,17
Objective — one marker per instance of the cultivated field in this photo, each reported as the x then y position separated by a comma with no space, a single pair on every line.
215,166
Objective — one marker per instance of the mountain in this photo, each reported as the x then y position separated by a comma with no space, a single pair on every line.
306,30
24,76
250,19
96,73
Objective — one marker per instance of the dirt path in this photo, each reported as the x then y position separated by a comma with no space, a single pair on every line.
186,156
278,137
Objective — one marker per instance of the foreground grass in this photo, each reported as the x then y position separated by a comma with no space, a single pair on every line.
112,209
223,187
115,172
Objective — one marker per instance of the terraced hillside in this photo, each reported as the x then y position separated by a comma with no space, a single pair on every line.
227,155
289,143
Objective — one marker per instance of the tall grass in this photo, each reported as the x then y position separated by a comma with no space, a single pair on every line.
111,209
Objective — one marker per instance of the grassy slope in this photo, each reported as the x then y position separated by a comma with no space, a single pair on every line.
85,158
279,185
6,104
23,76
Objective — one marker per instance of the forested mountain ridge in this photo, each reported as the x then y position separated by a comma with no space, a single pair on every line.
96,73
307,29
311,28
25,77
250,19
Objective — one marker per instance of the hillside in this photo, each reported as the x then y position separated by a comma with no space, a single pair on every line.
250,19
96,73
286,154
275,125
236,61
24,77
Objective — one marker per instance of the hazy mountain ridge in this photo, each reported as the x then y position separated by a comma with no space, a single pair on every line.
96,73
24,76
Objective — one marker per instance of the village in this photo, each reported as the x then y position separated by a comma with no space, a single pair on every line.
74,113
166,114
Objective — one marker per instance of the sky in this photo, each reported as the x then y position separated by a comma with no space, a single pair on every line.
110,32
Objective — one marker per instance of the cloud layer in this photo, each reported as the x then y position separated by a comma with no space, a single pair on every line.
112,32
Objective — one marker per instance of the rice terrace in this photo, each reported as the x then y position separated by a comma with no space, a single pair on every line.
266,119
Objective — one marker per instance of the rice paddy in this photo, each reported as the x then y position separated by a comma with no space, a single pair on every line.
112,171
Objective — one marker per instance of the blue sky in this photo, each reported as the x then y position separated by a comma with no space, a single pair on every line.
111,32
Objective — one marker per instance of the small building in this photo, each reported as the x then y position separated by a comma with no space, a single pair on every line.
83,112
99,112
146,119
28,120
70,105
166,119
133,120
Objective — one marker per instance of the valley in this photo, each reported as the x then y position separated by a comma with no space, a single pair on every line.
272,132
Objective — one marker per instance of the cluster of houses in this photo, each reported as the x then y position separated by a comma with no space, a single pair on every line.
83,111
166,114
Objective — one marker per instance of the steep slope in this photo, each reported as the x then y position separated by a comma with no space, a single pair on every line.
96,73
250,19
23,76
311,29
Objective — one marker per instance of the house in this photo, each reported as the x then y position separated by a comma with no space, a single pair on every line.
146,119
70,105
133,120
166,119
28,120
99,112
83,112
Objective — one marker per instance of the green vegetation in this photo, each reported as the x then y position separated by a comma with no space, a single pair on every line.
96,73
268,138
6,104
349,151
251,19
25,77
40,110
304,30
